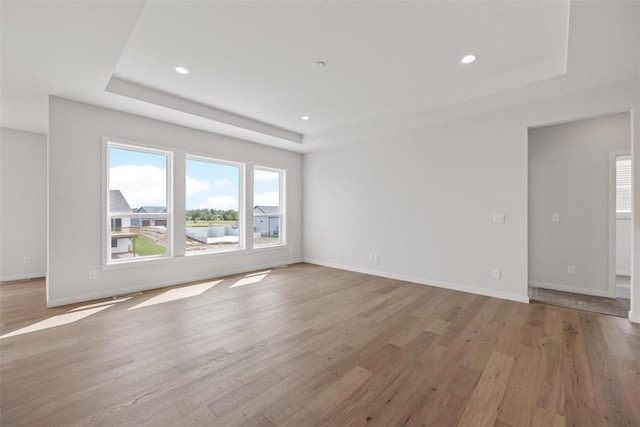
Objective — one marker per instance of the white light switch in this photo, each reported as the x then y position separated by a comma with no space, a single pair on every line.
498,218
555,217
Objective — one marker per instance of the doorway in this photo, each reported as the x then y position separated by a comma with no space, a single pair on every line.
578,256
623,189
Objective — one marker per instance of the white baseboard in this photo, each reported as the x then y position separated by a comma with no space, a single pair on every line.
623,291
157,285
15,277
428,282
572,289
635,318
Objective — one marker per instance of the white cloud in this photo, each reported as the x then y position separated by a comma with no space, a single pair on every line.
220,202
226,182
262,175
196,186
270,198
141,185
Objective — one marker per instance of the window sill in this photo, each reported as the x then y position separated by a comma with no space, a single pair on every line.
236,251
171,259
137,262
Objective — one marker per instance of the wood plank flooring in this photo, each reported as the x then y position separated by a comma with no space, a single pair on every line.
312,346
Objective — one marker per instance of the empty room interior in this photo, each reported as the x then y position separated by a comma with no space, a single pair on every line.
312,213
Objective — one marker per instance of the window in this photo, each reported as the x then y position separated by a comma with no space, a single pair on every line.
623,186
137,202
139,221
212,206
268,210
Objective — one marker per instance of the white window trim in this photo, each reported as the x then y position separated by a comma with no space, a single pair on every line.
241,205
282,232
108,143
246,203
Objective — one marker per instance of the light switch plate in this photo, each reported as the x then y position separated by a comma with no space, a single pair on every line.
555,217
498,218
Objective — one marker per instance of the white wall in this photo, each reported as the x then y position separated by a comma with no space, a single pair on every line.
569,173
424,202
75,188
424,199
23,204
623,246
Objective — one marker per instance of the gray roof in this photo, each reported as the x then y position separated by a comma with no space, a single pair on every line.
267,209
117,202
152,209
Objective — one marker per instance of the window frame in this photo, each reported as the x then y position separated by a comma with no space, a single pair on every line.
176,161
109,143
282,231
241,203
623,214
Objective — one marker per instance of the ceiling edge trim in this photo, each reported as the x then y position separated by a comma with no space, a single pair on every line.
153,96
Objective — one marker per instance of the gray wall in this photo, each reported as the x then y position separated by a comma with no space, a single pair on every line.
23,204
76,134
569,174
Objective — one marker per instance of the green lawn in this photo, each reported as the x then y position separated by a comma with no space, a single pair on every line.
145,247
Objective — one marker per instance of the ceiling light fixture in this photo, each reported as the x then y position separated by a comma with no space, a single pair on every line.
468,59
181,70
305,117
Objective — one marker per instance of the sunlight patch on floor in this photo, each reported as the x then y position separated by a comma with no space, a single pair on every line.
177,293
59,320
251,279
100,304
259,273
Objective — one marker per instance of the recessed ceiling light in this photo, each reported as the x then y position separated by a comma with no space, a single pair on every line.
468,59
305,117
319,64
181,70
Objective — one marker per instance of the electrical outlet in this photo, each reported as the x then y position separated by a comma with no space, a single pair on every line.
370,257
496,273
571,270
26,260
498,218
555,217
376,257
93,274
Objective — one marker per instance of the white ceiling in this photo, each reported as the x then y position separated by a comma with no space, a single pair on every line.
389,64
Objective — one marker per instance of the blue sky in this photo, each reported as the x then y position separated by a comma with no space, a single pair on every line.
142,176
212,185
119,157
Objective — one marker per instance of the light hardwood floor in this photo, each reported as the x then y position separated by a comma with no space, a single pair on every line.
308,345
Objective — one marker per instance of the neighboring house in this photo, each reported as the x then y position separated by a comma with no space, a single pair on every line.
120,226
266,225
146,222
